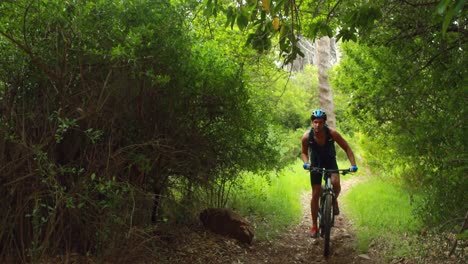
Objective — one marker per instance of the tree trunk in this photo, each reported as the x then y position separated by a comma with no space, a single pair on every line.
325,94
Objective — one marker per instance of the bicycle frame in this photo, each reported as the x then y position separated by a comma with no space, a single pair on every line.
326,216
327,189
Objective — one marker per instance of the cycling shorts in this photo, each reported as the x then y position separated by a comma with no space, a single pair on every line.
316,177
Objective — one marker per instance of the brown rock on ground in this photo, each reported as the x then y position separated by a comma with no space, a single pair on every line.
226,222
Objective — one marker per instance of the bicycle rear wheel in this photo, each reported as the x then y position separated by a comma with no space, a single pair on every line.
327,223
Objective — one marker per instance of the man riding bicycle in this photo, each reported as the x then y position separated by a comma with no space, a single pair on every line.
318,150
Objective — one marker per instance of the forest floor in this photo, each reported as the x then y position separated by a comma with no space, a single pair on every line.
294,246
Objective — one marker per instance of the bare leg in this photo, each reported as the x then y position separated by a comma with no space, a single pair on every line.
335,179
314,202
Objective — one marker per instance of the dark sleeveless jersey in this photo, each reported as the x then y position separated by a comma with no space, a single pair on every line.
322,156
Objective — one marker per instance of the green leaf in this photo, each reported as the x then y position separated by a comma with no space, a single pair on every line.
208,8
300,52
463,236
277,6
242,21
325,30
459,6
447,20
249,39
442,6
347,34
229,16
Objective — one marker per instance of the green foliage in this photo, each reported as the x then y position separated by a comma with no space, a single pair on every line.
463,235
104,202
233,120
406,98
359,21
406,105
291,96
284,20
108,105
295,95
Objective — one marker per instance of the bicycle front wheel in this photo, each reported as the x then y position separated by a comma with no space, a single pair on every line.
327,223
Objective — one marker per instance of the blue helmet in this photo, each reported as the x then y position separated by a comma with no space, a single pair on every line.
319,113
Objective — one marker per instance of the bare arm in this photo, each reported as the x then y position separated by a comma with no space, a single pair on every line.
305,147
344,145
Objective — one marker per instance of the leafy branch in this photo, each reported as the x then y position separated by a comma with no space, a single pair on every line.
52,75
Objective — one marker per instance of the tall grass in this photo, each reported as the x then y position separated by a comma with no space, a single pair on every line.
381,211
271,202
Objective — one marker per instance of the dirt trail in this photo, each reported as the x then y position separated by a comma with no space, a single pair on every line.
295,246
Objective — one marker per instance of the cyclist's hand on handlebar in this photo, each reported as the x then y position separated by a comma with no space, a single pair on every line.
353,168
306,166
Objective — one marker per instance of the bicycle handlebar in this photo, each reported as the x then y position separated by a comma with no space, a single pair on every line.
321,170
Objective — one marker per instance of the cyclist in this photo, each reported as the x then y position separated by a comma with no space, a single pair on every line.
318,150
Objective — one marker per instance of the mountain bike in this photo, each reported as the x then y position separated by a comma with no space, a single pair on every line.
326,217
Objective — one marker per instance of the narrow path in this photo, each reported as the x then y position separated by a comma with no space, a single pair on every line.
297,247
